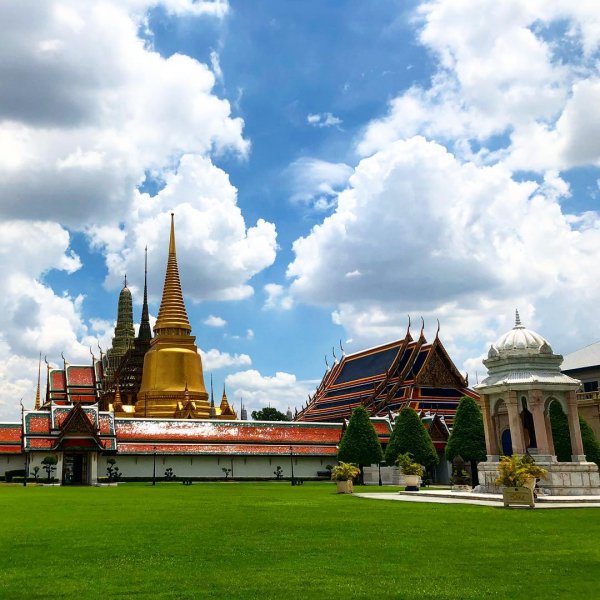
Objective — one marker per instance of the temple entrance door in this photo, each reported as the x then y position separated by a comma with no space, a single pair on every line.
75,469
506,443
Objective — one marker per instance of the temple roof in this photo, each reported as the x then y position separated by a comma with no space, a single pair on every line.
10,438
387,378
48,429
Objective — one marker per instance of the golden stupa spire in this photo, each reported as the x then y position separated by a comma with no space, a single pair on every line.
37,392
172,316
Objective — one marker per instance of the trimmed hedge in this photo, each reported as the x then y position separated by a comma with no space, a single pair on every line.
10,475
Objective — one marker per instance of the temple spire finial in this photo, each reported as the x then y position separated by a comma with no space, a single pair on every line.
517,318
172,315
37,391
172,236
125,281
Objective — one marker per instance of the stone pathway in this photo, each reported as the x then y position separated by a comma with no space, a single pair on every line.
448,497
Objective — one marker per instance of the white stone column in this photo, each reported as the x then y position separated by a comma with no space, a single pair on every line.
515,423
574,429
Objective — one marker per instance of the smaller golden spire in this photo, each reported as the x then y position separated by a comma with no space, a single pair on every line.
37,392
118,404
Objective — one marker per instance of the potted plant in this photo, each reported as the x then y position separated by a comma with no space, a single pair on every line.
343,474
411,470
517,475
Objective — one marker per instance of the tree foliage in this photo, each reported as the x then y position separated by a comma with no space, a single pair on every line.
562,438
591,446
360,443
560,432
467,438
268,414
410,435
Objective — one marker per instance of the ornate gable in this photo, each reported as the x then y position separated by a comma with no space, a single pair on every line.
77,422
437,371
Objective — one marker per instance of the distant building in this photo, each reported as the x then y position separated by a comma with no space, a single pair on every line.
584,364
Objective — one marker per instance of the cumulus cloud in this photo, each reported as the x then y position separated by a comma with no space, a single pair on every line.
434,223
33,317
214,359
88,108
483,87
213,321
217,254
279,391
420,232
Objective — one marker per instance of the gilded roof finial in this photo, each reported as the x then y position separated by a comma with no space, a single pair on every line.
172,314
37,391
517,319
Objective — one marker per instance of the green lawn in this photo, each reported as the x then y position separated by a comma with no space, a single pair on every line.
269,540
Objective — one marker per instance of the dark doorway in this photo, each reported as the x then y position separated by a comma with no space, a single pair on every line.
75,469
506,443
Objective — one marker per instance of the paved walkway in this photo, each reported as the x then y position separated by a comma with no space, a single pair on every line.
448,497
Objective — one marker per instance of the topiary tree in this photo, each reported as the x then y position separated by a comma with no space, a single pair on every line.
360,442
410,435
467,438
50,463
562,438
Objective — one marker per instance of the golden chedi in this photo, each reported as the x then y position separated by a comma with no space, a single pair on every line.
172,377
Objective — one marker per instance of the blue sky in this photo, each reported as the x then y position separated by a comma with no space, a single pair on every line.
333,167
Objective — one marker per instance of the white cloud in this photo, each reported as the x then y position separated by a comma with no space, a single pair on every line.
323,120
84,119
279,391
213,321
217,254
277,297
317,182
214,359
422,233
483,87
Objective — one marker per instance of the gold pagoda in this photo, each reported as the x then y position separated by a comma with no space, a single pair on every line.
172,379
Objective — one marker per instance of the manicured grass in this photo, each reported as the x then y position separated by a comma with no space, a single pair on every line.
269,540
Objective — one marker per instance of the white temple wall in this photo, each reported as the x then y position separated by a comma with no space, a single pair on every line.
250,467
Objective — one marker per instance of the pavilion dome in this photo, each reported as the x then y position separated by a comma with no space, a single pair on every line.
520,340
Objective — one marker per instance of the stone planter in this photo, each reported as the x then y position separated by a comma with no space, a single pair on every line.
344,487
412,483
520,496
